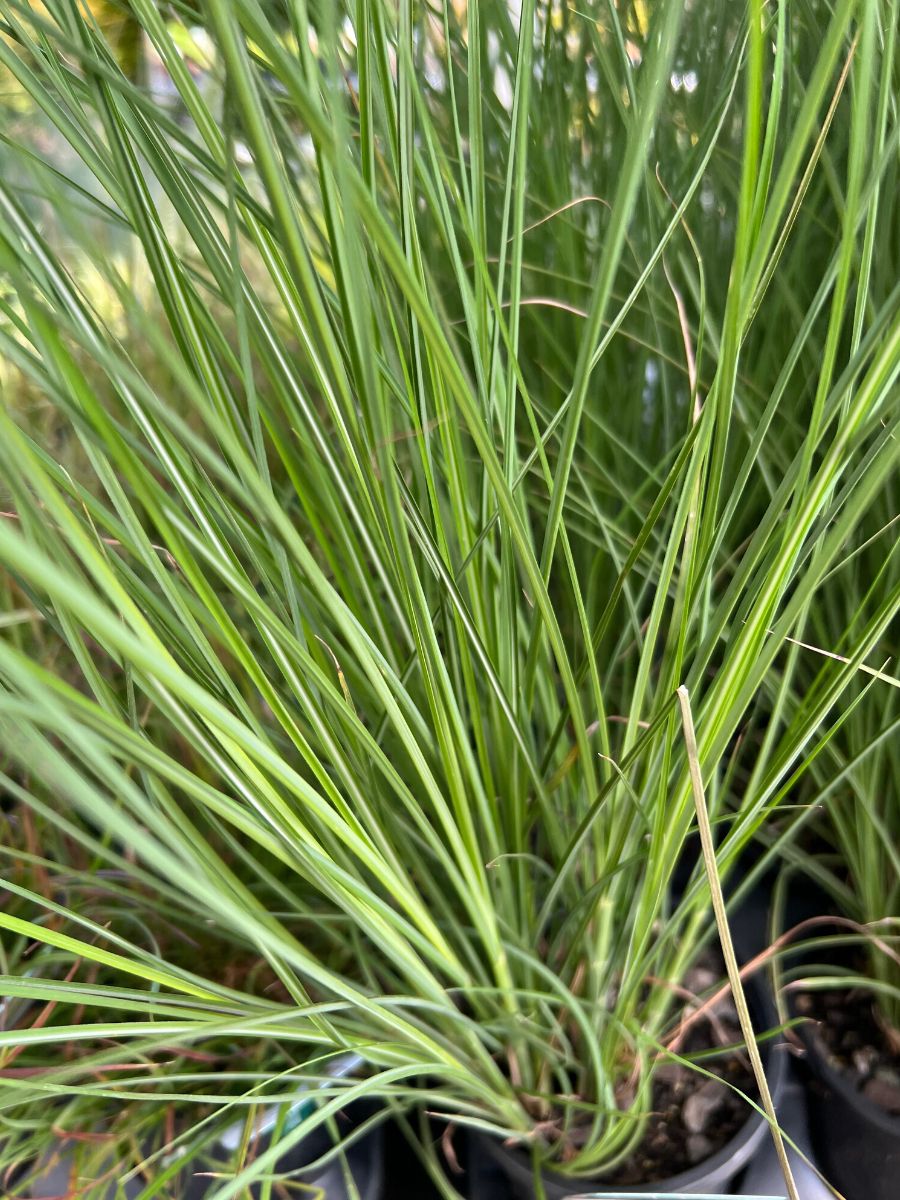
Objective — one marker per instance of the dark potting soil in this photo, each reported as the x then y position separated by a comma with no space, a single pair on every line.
855,1042
693,1116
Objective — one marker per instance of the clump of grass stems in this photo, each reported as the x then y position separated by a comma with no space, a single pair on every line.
852,815
488,373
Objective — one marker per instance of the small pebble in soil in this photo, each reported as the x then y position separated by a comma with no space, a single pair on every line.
699,1147
865,1059
702,1106
673,1074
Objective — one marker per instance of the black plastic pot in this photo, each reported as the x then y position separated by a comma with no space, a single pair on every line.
715,1174
857,1143
364,1159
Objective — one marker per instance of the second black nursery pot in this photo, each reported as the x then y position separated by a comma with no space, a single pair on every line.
857,1142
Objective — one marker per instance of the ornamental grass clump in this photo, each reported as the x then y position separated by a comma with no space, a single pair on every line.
850,946
434,392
